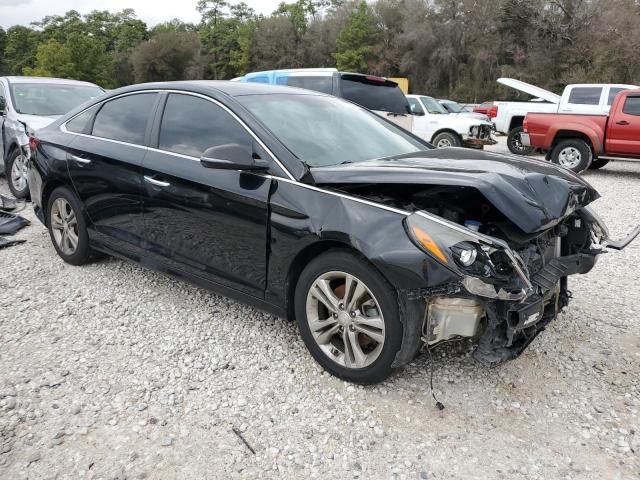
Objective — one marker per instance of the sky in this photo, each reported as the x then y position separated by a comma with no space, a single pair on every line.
22,12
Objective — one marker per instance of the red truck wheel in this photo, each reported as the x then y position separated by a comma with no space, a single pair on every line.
574,154
514,143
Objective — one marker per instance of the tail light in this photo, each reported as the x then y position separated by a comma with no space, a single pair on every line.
33,143
372,78
493,112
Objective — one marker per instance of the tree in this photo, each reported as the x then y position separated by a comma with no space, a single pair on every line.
355,44
20,49
167,56
53,59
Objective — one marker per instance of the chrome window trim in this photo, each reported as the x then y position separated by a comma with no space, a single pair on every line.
181,92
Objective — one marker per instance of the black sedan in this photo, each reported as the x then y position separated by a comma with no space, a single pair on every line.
316,209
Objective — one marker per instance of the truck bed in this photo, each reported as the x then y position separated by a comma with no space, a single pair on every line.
544,127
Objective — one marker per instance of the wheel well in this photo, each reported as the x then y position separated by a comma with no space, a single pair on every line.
516,122
46,193
569,135
446,130
302,259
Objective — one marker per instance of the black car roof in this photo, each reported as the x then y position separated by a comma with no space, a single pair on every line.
233,89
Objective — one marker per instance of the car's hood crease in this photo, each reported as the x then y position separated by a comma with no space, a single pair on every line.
532,194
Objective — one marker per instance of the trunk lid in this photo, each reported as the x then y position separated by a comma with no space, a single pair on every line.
529,89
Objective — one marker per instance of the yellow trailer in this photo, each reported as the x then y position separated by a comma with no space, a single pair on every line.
402,82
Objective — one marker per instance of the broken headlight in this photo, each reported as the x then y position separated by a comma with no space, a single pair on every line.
459,249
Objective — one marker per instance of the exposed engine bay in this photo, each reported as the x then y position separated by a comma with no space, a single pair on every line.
506,296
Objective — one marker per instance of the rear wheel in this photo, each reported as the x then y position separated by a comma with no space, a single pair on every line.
514,142
347,314
446,140
16,171
67,227
598,163
574,154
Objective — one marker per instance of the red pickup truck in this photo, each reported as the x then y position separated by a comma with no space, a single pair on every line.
578,142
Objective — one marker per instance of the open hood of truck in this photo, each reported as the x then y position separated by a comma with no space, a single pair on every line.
532,90
533,195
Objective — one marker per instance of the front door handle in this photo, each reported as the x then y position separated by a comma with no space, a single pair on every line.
75,158
157,183
622,122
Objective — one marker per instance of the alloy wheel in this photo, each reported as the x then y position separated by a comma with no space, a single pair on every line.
345,319
19,173
569,157
64,225
443,143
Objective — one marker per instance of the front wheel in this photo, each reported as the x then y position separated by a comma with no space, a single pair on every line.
514,142
16,171
348,317
574,154
446,140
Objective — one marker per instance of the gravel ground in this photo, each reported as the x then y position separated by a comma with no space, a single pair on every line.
112,371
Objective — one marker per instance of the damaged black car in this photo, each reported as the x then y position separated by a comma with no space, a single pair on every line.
318,210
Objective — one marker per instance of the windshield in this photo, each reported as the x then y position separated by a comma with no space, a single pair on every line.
322,130
453,107
432,106
50,98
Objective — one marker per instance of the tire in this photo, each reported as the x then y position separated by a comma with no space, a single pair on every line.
16,173
332,355
574,154
515,145
73,222
446,140
598,163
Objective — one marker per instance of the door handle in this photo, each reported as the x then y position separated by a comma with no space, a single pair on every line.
75,158
622,122
157,183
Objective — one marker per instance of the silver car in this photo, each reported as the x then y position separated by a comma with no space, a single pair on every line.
26,105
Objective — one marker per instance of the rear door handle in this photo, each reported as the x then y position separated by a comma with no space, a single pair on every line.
75,158
622,122
157,183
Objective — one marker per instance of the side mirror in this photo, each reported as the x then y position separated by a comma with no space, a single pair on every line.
231,156
3,105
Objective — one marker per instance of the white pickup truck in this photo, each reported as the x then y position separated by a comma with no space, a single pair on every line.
583,98
433,123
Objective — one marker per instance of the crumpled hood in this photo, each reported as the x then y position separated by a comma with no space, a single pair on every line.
533,194
36,122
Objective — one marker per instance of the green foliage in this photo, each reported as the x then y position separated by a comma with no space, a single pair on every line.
356,41
167,56
453,48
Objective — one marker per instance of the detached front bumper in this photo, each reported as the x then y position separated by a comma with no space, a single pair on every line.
478,136
505,317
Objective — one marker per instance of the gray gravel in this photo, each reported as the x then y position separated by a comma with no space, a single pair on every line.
112,371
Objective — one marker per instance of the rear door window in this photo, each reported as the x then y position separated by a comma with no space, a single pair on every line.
632,106
80,124
613,93
125,118
190,125
585,95
377,95
416,108
317,83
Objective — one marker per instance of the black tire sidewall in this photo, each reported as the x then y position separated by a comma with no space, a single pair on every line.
453,138
581,146
83,252
385,294
511,139
7,172
597,163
